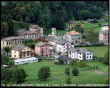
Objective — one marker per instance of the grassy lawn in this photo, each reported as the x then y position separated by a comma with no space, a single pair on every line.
86,75
88,25
98,51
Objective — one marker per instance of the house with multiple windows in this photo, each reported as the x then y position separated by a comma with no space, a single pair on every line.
73,37
21,52
11,41
62,46
104,35
43,49
80,54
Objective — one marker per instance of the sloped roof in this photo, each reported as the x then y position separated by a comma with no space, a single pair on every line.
18,47
61,41
40,44
71,22
105,32
73,33
79,50
12,38
64,58
50,38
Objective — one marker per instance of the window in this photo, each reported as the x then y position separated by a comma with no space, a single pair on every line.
7,43
87,57
15,55
3,43
87,53
90,56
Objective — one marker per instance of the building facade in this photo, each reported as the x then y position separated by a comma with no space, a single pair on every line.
11,41
73,37
21,52
70,24
36,28
43,49
62,46
104,35
80,54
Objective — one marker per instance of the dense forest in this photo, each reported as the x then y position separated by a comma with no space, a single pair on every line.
49,13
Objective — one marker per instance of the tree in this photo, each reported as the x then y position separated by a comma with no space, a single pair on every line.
67,71
60,61
7,49
68,80
13,75
18,75
105,59
75,72
73,62
44,73
79,27
81,64
91,36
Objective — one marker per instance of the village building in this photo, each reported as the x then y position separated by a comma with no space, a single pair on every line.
25,60
62,46
70,24
11,41
104,35
43,49
80,54
51,40
34,32
21,52
30,35
36,28
65,59
56,35
73,37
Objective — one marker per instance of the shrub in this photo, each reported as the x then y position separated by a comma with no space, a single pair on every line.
105,59
81,64
68,80
75,72
73,62
14,75
60,61
44,73
67,71
55,62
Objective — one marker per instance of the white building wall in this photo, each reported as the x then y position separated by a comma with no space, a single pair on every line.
89,55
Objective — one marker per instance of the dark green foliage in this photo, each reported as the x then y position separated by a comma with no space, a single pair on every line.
6,60
92,36
82,64
73,62
68,80
60,61
7,50
48,14
79,27
13,75
44,73
105,59
67,71
75,72
29,42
